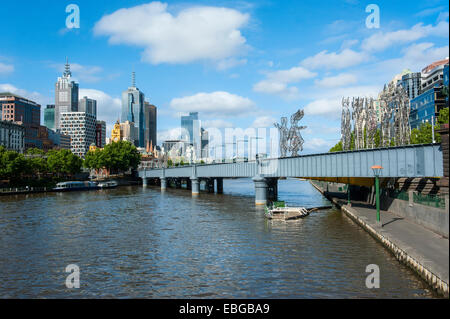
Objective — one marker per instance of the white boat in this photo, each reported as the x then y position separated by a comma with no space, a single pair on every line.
108,184
280,211
75,186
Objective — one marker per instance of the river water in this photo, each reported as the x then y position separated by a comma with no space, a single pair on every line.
132,242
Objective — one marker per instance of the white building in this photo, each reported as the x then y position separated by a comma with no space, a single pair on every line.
81,127
433,75
12,136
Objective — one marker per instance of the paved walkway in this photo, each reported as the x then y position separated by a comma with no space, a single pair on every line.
403,237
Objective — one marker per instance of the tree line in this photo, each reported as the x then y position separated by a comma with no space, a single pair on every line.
36,165
421,135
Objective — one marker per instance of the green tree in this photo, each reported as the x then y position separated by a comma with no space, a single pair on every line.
120,156
63,162
424,134
443,116
12,165
337,147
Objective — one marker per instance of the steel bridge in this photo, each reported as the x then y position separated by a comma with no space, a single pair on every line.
353,167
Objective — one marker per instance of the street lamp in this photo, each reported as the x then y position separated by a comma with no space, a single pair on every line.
377,171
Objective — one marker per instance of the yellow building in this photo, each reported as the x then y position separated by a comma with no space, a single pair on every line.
116,134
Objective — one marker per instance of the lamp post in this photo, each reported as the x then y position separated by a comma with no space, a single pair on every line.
377,171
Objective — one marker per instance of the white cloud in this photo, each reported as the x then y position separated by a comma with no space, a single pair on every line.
416,57
263,121
195,33
82,73
333,60
342,79
219,103
329,104
34,96
216,124
317,144
169,134
382,40
6,68
277,82
108,108
230,63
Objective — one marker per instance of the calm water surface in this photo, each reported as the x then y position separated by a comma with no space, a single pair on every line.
135,242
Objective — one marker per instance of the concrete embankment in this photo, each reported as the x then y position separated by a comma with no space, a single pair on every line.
422,250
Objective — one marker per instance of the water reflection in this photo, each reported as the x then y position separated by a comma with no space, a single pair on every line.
135,242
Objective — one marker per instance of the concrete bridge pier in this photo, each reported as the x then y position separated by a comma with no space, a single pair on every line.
210,185
260,190
219,182
195,186
188,184
144,182
272,188
163,183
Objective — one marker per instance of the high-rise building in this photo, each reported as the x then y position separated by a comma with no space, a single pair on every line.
426,107
133,110
49,116
88,106
20,110
411,82
100,134
80,126
205,144
66,95
129,132
433,75
12,136
150,124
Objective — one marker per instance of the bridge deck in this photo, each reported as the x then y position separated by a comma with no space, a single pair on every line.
406,161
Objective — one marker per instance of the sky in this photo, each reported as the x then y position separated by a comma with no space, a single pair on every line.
240,64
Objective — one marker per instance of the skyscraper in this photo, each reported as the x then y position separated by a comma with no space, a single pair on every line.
191,131
81,127
150,124
49,116
66,95
133,110
411,83
88,106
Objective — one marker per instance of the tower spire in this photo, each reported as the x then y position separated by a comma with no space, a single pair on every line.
133,79
67,72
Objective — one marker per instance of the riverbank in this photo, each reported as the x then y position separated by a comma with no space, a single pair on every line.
37,190
422,250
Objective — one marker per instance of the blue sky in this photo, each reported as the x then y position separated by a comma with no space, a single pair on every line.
239,63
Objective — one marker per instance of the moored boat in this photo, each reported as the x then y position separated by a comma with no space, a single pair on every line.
108,184
279,211
75,186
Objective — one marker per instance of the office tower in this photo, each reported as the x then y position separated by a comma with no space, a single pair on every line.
88,106
49,116
100,134
20,110
133,110
150,124
80,126
129,132
191,131
433,75
12,136
66,95
205,144
411,82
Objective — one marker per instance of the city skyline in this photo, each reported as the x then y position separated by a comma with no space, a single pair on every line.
267,70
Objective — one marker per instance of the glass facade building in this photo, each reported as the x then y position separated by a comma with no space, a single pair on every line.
49,117
133,111
425,107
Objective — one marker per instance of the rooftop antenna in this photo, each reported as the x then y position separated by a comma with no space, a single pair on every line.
133,79
67,72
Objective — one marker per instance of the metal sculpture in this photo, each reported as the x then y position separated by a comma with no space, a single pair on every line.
371,123
346,125
291,139
283,133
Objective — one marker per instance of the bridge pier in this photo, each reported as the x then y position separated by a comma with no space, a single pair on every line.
163,183
188,184
144,182
260,190
210,185
195,186
272,189
219,182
